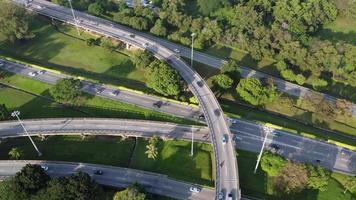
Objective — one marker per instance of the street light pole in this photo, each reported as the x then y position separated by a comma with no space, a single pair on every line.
16,114
192,147
75,20
192,51
267,130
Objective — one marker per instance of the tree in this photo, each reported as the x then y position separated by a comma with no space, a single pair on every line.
152,150
292,178
325,111
252,91
159,28
15,153
343,106
318,177
350,183
80,186
108,44
66,90
96,8
130,193
164,79
222,81
272,163
319,83
230,69
142,59
207,7
15,22
30,179
4,112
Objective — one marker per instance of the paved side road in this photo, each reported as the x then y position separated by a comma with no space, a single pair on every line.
248,136
115,177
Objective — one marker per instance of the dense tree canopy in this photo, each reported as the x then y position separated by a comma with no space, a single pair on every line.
131,193
15,22
252,91
66,91
4,112
272,163
33,183
222,81
318,177
292,178
142,59
163,79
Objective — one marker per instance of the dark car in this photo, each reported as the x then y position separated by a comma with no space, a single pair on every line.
318,161
230,197
169,61
98,172
132,35
217,112
275,146
200,83
157,104
201,116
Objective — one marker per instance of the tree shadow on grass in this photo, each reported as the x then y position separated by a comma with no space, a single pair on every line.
337,37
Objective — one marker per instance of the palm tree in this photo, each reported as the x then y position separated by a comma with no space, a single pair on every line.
152,151
15,153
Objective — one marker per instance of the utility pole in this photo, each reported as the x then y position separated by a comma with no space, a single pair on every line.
192,51
75,20
266,130
192,147
16,114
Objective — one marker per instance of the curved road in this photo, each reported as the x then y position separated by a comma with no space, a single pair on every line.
250,137
226,174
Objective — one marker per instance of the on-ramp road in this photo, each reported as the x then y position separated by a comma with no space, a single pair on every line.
250,137
226,175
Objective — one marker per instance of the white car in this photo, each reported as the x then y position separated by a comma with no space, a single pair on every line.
32,74
145,45
1,64
224,139
44,167
177,50
194,189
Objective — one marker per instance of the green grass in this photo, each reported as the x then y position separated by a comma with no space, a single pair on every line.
174,160
342,29
32,106
63,50
99,150
260,185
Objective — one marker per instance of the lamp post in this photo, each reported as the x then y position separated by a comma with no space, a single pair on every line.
16,114
192,51
75,20
266,130
192,147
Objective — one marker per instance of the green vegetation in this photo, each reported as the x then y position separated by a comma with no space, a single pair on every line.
130,193
32,106
4,112
57,46
151,147
33,183
261,185
252,91
14,22
271,163
164,79
173,157
67,91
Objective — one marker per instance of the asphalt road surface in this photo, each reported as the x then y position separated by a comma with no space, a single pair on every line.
248,136
224,152
115,177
